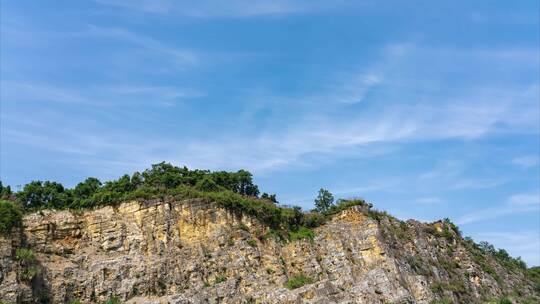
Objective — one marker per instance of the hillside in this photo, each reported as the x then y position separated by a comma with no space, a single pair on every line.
205,244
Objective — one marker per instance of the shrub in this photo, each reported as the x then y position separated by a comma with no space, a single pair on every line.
207,184
25,256
444,300
302,233
313,219
252,243
504,301
220,279
298,281
10,216
113,300
28,273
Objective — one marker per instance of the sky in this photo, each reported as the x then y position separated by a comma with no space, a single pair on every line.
428,109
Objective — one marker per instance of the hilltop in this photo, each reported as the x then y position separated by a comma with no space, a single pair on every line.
174,235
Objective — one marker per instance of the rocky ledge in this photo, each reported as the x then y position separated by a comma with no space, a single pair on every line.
192,251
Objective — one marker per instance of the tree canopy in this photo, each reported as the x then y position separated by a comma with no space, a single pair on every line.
324,201
160,178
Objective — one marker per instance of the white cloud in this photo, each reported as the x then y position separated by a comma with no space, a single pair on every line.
526,161
519,203
180,58
220,8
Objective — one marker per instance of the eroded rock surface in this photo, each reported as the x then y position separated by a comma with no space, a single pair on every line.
194,252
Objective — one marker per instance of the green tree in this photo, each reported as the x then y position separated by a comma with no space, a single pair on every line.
38,194
83,193
270,197
5,192
10,216
324,200
207,184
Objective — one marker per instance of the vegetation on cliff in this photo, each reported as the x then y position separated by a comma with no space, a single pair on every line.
10,216
234,191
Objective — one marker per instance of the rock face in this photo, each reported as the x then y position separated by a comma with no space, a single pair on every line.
194,252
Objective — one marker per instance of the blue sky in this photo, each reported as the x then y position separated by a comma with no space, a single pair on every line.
429,109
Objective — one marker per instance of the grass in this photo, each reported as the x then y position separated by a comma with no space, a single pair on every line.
298,281
113,300
220,279
28,273
25,256
302,233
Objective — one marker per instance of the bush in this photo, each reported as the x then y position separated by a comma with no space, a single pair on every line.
443,301
10,216
298,281
220,279
113,300
28,273
25,256
302,233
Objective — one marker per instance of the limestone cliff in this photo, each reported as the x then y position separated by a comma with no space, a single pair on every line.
192,251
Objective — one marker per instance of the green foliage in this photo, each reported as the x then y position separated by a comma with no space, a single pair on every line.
302,233
27,260
313,219
75,302
10,216
220,279
324,200
160,178
83,192
28,273
25,256
38,194
206,184
343,204
504,301
298,281
270,197
444,300
378,215
113,300
5,192
533,274
252,243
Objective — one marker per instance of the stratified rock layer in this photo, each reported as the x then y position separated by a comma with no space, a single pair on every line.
194,252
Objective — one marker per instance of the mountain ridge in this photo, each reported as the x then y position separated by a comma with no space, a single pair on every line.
198,251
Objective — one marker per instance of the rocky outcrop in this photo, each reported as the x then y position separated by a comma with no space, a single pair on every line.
192,251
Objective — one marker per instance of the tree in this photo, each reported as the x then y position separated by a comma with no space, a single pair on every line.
10,216
84,192
270,197
207,184
324,200
5,192
87,188
245,184
38,194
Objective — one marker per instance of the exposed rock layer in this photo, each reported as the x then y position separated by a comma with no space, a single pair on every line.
193,252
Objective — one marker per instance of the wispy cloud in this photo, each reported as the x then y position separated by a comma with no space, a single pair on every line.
207,9
519,203
181,58
110,95
526,161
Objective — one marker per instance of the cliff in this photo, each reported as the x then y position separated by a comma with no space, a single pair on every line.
192,251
